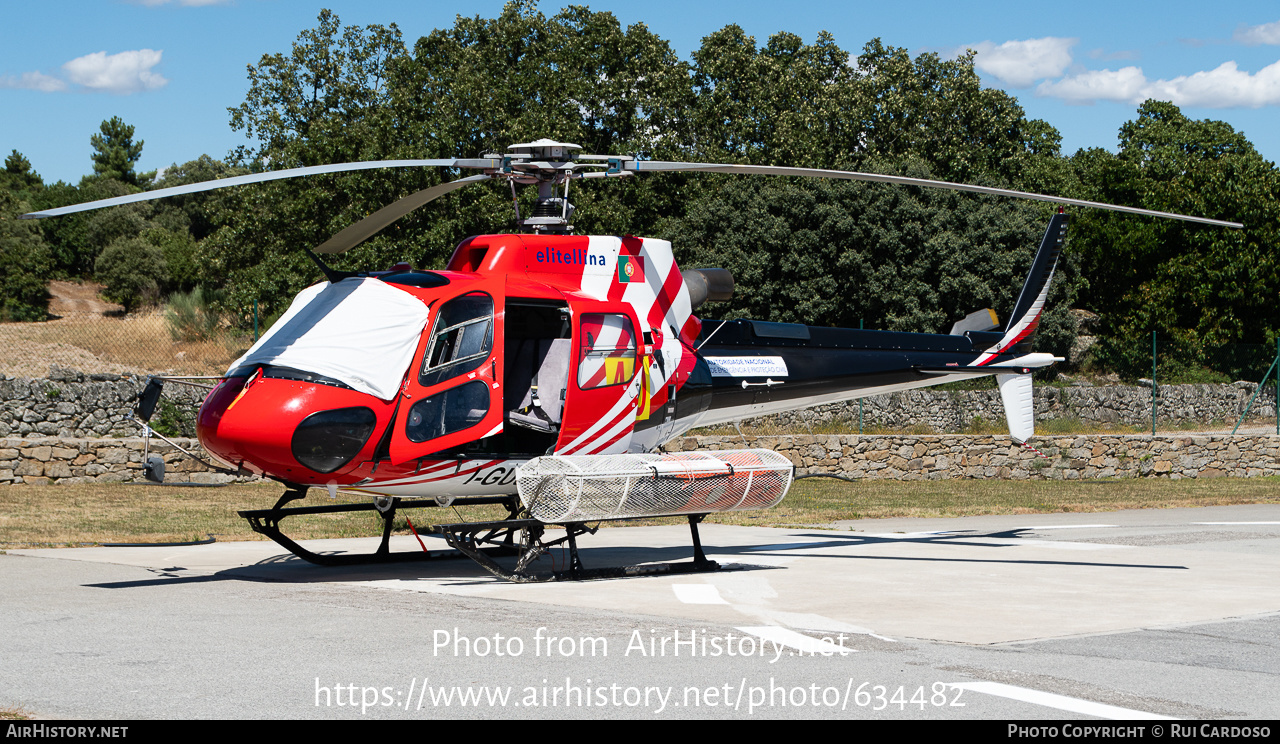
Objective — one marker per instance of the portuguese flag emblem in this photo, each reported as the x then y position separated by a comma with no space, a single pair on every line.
630,269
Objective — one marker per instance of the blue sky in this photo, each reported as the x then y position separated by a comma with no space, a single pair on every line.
172,68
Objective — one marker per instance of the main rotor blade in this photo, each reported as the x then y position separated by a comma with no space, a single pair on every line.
641,166
223,183
366,228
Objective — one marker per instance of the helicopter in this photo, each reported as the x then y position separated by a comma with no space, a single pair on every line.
543,370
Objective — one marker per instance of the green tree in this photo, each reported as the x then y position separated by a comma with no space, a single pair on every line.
200,213
25,264
837,253
787,103
1202,289
357,93
183,269
133,271
18,175
115,152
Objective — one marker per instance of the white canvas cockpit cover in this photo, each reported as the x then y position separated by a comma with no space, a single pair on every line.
362,332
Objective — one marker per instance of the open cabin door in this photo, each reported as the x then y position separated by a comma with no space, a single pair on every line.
453,392
604,387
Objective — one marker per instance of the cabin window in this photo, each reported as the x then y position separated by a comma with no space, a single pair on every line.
448,411
607,350
460,339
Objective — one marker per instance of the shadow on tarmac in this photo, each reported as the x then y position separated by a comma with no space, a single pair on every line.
290,569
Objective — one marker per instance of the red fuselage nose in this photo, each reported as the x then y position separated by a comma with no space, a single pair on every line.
293,430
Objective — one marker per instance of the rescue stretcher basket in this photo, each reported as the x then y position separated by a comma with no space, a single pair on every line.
557,489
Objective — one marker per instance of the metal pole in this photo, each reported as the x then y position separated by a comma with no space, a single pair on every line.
255,321
1153,384
860,320
1261,384
1277,401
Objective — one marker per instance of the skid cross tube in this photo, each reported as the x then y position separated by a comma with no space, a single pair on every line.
267,522
469,539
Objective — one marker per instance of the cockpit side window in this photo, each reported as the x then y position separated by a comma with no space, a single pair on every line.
461,338
607,355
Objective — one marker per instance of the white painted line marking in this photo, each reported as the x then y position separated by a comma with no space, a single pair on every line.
1235,523
798,641
1069,526
810,621
698,594
1060,702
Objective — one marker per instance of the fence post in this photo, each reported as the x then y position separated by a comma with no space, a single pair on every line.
1153,384
860,321
1261,384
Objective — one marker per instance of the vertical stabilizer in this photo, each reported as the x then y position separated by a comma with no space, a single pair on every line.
1025,318
1035,290
1019,408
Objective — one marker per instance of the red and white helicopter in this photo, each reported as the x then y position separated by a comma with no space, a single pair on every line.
543,370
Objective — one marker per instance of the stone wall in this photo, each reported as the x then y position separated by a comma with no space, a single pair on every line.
973,456
955,410
68,403
54,460
67,428
897,457
71,404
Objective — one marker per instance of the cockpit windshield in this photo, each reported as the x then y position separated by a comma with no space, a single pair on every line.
359,331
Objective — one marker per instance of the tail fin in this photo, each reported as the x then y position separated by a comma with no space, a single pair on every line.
1019,332
1025,318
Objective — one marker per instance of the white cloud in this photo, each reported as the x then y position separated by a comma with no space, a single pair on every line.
33,81
1223,87
1021,63
1267,33
1107,85
123,73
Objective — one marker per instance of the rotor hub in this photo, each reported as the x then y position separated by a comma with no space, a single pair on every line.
550,165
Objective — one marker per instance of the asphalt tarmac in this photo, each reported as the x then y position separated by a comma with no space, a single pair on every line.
1120,615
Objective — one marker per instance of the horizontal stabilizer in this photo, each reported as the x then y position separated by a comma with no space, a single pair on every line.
982,320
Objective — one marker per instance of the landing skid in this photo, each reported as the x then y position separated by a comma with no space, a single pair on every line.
471,538
479,541
267,522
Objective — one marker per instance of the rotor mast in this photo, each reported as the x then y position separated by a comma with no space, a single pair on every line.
550,165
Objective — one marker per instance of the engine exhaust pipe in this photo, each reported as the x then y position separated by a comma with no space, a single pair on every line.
714,285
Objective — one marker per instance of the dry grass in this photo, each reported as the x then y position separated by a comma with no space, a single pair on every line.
814,502
135,343
824,500
92,335
13,713
125,513
88,514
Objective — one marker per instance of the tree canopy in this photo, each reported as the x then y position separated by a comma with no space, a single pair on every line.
826,253
115,152
1202,288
